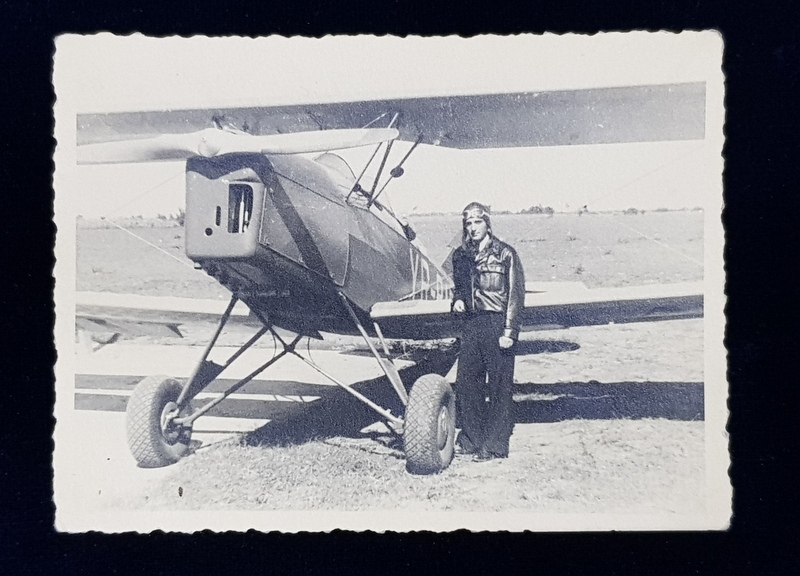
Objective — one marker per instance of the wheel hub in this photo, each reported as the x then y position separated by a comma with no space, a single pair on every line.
442,427
169,429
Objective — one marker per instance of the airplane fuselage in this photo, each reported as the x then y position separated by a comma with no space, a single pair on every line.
281,233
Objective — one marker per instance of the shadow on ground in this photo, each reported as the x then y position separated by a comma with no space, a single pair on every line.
339,414
528,347
523,348
608,400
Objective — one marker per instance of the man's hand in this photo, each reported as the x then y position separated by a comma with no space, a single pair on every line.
459,306
506,342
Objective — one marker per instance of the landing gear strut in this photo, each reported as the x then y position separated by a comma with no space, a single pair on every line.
160,416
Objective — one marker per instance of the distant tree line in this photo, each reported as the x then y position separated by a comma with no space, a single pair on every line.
538,209
548,210
179,217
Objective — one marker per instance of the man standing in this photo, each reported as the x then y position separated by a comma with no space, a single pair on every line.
490,293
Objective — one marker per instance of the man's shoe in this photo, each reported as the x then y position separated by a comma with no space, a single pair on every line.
485,456
461,451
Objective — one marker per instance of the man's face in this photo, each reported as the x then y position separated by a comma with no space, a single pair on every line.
476,228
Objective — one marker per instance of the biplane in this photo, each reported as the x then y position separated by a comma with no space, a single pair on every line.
306,245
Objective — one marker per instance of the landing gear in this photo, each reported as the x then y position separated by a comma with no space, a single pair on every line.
160,415
154,437
430,425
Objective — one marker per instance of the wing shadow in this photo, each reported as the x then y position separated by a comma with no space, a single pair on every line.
528,347
608,400
523,348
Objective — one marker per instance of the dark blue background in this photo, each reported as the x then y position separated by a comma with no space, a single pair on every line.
762,65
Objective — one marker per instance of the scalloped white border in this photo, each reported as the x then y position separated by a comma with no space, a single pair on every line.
83,64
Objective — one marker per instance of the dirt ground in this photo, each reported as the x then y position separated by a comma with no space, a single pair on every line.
605,424
609,419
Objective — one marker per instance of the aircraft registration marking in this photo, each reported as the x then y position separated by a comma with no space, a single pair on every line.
424,284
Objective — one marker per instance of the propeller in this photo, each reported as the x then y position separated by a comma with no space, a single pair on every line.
214,142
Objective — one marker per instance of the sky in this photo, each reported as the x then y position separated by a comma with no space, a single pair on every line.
108,74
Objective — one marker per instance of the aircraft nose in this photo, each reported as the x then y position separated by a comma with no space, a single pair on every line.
223,205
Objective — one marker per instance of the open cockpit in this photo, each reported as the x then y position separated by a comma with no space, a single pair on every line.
356,196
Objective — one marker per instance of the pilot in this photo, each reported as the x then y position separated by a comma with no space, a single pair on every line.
489,293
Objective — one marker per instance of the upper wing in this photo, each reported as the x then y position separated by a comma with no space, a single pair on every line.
210,142
551,305
586,116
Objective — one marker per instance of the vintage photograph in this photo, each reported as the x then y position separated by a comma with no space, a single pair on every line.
390,283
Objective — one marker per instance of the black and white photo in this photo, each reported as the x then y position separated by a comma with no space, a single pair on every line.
390,283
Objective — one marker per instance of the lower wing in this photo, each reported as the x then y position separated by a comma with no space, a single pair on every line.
551,305
135,315
547,305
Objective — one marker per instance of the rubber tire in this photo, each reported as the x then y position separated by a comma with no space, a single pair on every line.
146,440
430,395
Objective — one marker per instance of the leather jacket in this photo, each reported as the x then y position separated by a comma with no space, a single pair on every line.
491,281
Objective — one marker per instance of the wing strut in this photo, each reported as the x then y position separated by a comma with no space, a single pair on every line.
380,171
357,186
385,362
397,171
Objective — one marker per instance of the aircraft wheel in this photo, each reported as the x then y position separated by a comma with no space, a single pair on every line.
430,425
153,438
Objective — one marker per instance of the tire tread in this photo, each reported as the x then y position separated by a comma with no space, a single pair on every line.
142,424
420,433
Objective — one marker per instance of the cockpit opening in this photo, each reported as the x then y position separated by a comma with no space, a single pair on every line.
360,198
337,163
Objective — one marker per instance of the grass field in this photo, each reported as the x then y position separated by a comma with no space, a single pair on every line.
609,418
606,249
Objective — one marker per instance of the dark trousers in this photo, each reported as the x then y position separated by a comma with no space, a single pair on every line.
485,370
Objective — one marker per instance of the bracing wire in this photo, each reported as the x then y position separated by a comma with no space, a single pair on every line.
139,197
145,193
662,244
616,190
371,122
658,168
183,262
